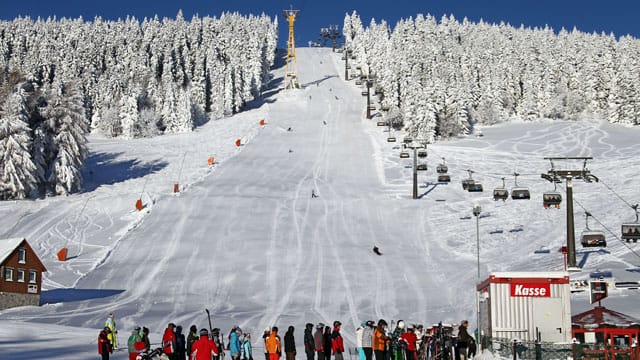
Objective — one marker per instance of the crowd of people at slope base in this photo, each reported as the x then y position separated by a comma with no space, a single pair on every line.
403,343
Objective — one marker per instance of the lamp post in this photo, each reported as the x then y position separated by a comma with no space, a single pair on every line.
476,212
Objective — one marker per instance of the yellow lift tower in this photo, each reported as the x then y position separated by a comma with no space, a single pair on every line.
291,69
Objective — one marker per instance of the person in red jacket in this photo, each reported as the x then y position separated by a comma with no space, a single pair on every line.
104,345
337,345
410,338
203,348
169,341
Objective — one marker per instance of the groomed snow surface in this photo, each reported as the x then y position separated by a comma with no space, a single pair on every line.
246,240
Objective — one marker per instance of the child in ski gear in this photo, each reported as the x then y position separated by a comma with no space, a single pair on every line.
111,324
204,348
191,338
273,345
169,341
337,345
289,344
133,338
318,338
309,343
104,345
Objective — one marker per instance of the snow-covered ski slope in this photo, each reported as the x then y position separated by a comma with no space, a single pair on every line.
246,240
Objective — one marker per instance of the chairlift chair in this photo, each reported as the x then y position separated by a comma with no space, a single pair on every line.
519,193
381,123
372,107
422,154
444,178
475,187
348,66
385,107
404,155
407,140
442,168
358,82
592,238
631,231
501,193
391,139
551,199
468,182
421,167
364,92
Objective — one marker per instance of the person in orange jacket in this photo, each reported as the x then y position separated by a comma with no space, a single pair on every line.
380,340
273,345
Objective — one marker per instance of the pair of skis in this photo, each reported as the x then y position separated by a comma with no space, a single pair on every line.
221,356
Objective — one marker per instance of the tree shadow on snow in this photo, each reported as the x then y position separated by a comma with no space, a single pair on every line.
104,169
68,295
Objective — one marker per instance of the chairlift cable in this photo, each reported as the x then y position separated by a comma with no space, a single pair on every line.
616,194
606,228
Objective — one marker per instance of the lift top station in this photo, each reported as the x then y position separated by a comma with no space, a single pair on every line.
291,67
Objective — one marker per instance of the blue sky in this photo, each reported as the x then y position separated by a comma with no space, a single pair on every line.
617,16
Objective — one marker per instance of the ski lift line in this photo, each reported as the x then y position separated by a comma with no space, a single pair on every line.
616,194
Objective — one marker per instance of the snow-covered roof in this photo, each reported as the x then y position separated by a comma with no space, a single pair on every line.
599,316
530,274
7,246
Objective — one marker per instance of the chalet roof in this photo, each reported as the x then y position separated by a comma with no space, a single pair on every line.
7,246
600,316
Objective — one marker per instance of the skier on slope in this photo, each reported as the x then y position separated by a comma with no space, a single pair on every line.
359,333
113,331
273,344
133,339
380,340
319,340
309,342
246,347
367,340
337,344
409,340
289,344
396,346
234,343
204,348
104,345
169,341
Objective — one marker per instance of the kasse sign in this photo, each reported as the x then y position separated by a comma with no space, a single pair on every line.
531,290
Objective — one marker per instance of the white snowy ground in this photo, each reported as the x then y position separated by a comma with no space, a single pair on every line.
246,240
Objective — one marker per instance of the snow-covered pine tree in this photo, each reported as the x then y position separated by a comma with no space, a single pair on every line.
68,122
18,173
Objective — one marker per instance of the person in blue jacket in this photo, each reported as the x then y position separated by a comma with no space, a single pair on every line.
234,344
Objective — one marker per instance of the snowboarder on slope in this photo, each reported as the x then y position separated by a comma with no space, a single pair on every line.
376,250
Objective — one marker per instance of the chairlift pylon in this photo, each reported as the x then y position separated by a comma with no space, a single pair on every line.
592,238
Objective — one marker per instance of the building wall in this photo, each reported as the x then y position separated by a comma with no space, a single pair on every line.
10,300
31,263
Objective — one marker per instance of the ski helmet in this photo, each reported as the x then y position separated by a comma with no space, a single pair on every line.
336,323
370,323
381,322
204,332
400,324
